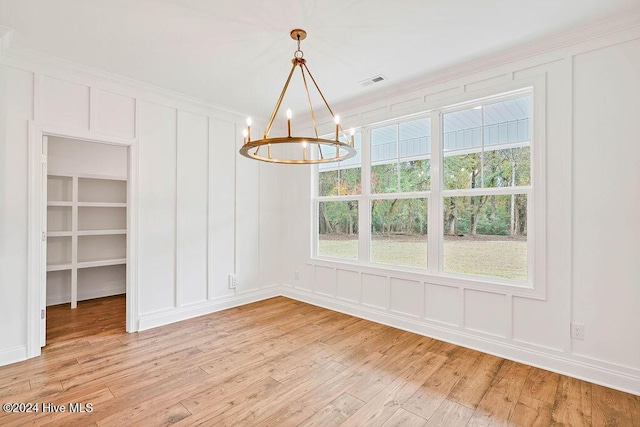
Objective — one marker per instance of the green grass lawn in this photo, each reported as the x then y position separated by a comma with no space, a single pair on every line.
506,258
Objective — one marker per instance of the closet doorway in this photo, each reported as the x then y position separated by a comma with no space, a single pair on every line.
85,215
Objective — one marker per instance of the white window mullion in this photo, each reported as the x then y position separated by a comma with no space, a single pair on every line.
338,198
398,189
482,146
315,192
315,241
488,191
461,151
531,239
364,203
434,207
412,195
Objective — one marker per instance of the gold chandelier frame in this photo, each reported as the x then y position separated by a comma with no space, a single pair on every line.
337,149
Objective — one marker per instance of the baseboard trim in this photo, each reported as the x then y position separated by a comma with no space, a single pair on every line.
580,369
577,369
13,355
165,317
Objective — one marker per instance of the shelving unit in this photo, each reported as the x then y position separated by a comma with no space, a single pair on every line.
86,233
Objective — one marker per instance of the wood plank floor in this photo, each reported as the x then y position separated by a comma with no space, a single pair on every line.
281,362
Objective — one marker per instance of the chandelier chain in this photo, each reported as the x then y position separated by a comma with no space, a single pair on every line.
298,53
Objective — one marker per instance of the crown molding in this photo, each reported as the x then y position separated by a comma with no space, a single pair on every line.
55,66
556,46
5,38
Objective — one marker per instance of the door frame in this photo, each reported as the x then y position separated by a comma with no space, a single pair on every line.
37,271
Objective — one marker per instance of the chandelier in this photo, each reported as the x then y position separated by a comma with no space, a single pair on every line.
292,149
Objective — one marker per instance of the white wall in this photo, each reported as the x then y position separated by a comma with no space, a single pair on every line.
194,227
592,98
606,204
16,109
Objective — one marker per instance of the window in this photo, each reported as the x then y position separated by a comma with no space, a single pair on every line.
399,232
399,181
486,178
449,200
339,184
400,157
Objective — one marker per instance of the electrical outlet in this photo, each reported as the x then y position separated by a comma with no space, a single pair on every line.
577,331
233,281
296,275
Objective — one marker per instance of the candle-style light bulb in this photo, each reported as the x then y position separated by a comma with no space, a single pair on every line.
248,129
289,114
248,121
245,133
304,144
352,132
337,120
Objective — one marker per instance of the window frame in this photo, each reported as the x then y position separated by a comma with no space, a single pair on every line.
335,198
535,286
511,190
370,197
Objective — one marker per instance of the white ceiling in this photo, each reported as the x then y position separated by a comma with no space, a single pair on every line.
237,53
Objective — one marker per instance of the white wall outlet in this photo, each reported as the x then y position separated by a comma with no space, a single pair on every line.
577,331
233,281
296,275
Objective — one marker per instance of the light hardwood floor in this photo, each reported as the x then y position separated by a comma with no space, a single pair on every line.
281,362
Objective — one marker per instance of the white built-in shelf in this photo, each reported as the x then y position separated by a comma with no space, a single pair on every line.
102,190
60,204
86,221
59,267
59,233
59,188
85,233
100,232
87,264
56,174
101,205
102,263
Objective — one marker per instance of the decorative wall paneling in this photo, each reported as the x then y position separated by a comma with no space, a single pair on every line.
184,154
16,110
590,87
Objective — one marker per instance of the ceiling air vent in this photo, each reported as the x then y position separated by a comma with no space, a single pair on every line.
371,80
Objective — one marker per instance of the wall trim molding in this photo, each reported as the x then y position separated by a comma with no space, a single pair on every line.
36,286
602,373
588,370
558,44
172,315
62,69
555,47
13,355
